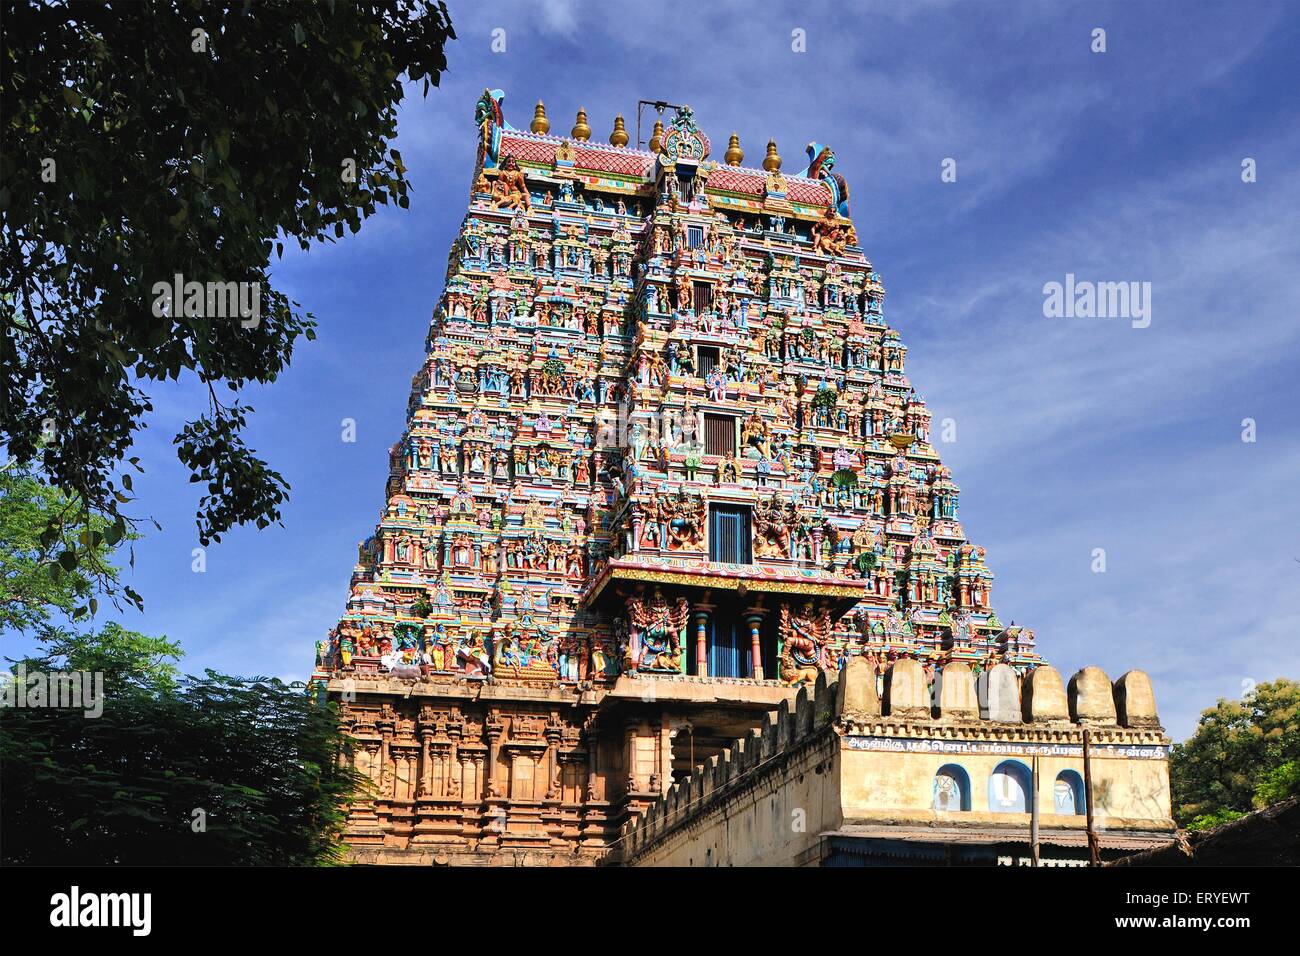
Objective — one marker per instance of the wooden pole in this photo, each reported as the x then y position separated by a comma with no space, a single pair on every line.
1094,846
1033,815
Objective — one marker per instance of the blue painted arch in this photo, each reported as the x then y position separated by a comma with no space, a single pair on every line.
951,789
1009,787
1067,794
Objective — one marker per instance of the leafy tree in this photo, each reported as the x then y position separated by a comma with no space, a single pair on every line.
1281,782
257,757
1245,754
37,576
127,658
147,140
213,771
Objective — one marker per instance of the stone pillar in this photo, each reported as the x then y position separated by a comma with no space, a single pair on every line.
476,761
385,771
630,731
455,767
660,732
494,731
553,735
463,764
591,792
754,618
425,786
702,613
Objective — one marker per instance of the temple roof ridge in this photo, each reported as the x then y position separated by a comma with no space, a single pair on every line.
491,113
585,144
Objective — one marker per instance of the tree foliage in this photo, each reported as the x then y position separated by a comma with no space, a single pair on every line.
220,771
177,137
127,658
1244,754
210,770
257,758
40,532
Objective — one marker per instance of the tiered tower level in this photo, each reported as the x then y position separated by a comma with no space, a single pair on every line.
663,465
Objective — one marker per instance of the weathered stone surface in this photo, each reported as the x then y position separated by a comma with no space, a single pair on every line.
957,697
1043,696
1001,685
857,690
803,713
1135,701
1091,697
823,701
907,694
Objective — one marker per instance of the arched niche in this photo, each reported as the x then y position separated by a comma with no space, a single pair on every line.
951,789
1067,794
1009,787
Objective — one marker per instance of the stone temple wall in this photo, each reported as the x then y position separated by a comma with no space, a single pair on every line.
899,752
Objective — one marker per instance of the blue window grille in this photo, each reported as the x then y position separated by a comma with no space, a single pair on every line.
729,649
729,535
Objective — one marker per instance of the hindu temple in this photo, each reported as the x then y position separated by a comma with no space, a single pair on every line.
664,476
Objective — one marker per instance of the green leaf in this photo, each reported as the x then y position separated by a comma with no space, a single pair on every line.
151,184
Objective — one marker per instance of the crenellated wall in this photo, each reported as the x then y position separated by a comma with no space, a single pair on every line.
764,802
872,753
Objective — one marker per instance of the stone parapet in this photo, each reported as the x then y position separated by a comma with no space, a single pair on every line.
879,753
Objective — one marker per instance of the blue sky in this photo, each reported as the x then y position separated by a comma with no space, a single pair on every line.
1071,434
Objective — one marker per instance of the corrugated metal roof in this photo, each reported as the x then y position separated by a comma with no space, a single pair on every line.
1110,839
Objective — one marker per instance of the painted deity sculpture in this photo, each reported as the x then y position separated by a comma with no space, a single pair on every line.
510,190
657,626
805,636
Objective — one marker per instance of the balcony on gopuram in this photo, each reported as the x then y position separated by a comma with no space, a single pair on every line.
719,583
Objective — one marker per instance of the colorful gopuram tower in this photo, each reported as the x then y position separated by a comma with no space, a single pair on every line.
663,466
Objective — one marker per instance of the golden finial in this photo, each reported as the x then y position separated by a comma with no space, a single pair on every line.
734,155
772,161
619,136
657,136
581,131
540,123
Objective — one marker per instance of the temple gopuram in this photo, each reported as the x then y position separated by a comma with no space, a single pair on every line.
663,472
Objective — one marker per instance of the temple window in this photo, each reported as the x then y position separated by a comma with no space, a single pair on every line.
719,435
729,534
703,297
1067,794
695,236
951,789
706,359
1009,788
729,648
